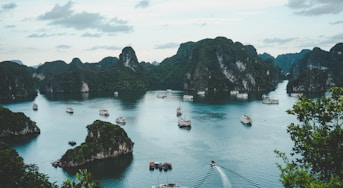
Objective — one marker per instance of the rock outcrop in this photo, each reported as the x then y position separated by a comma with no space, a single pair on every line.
104,140
317,71
16,124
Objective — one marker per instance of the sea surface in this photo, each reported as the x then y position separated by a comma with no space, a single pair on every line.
244,154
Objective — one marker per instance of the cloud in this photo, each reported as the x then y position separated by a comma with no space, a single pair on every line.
63,46
337,22
7,6
66,17
167,45
278,40
316,7
91,35
10,26
44,35
103,47
142,4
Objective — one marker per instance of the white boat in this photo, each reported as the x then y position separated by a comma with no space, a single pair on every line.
234,92
121,120
104,112
115,93
246,119
161,95
242,95
201,93
188,97
169,90
35,106
184,123
70,110
295,94
270,101
179,111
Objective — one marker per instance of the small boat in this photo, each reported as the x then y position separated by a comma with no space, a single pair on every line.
234,92
246,119
121,120
103,112
268,100
169,90
242,95
161,95
213,163
183,123
188,97
72,143
70,110
168,185
35,106
178,111
201,93
167,166
151,165
115,93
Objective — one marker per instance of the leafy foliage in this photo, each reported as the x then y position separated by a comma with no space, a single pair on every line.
84,178
318,143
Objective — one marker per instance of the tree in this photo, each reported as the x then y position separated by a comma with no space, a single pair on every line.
85,181
317,154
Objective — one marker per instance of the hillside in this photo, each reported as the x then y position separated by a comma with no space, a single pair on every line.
317,71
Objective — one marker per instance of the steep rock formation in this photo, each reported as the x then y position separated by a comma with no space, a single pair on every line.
16,124
317,71
221,64
104,140
129,59
16,82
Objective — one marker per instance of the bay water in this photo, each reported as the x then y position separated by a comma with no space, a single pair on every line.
244,154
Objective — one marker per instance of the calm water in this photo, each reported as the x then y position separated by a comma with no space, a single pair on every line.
244,154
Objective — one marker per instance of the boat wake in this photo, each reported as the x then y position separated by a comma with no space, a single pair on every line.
225,179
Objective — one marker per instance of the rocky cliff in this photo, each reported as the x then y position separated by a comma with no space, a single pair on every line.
317,71
221,64
104,140
16,124
16,82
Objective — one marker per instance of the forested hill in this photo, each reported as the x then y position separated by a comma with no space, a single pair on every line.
318,70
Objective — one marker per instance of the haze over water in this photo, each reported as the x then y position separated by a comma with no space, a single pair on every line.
244,154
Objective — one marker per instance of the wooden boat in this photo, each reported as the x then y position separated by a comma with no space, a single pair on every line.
246,119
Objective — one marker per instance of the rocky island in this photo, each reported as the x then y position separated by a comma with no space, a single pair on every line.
104,140
16,124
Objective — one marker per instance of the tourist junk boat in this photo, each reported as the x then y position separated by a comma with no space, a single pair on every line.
35,106
270,101
245,119
103,112
70,110
121,120
184,123
179,111
188,97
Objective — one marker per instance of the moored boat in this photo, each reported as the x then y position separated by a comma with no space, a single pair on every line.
121,120
35,106
242,95
70,110
184,123
246,119
179,111
104,112
234,92
268,100
72,143
188,97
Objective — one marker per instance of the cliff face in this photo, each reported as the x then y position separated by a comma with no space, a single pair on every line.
104,140
16,82
129,59
221,64
16,124
317,71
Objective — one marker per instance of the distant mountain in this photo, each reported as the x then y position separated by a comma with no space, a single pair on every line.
16,82
219,64
317,71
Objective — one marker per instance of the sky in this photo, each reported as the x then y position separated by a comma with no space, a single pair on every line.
39,31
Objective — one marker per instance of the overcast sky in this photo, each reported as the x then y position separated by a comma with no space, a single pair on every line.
38,31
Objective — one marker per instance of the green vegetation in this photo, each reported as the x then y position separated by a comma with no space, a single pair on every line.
11,122
104,139
316,159
84,178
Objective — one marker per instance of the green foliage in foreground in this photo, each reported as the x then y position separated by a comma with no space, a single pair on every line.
15,173
316,159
